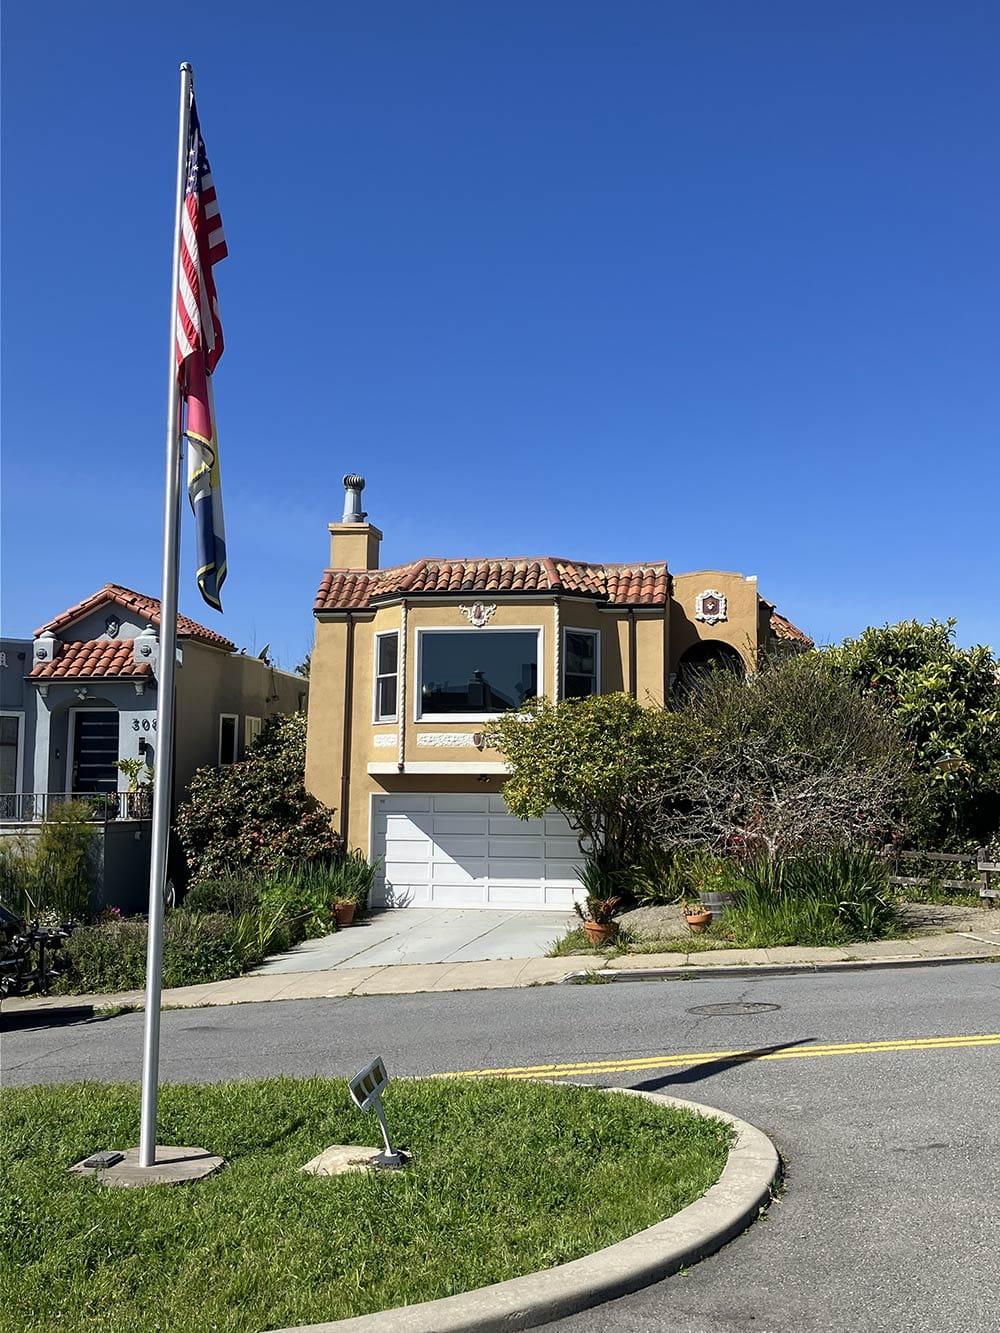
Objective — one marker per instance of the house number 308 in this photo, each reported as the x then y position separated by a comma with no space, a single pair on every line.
144,725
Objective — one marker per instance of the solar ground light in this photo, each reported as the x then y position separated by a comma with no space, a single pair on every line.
366,1091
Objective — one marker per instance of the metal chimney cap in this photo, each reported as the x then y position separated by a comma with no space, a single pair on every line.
353,482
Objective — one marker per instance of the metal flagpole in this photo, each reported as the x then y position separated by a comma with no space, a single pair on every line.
164,763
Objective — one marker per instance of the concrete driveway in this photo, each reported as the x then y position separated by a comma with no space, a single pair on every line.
426,935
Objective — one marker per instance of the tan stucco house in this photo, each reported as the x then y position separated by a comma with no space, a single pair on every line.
411,662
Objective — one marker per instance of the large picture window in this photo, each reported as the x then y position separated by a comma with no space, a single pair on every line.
581,660
476,673
386,676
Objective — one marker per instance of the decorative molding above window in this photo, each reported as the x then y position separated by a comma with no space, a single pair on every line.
448,740
710,606
385,742
477,614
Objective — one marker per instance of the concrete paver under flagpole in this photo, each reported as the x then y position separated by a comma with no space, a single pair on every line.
511,973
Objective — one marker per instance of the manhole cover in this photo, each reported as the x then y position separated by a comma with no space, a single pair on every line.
731,1010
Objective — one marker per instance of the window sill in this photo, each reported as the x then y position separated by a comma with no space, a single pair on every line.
460,719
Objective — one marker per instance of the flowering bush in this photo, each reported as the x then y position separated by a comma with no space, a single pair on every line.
256,816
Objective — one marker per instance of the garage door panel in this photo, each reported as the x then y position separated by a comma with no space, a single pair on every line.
562,898
448,895
526,869
406,826
513,895
464,850
450,824
563,849
510,826
459,872
401,892
517,847
412,801
454,803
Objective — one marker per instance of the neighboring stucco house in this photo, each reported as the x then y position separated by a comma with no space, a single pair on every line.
92,678
17,723
410,663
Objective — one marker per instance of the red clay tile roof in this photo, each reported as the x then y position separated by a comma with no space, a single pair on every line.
93,657
784,629
621,585
147,608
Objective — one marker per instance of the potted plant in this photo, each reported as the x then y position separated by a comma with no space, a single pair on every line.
698,917
598,917
598,913
343,910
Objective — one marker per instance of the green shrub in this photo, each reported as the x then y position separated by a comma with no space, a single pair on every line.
256,816
305,897
197,947
230,896
17,876
54,871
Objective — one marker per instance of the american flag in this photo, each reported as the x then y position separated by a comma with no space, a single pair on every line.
199,347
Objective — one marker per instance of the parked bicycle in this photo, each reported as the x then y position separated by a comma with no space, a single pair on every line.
31,957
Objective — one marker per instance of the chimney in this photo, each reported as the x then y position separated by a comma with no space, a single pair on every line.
354,542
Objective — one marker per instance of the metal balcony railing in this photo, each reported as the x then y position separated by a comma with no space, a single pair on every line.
103,807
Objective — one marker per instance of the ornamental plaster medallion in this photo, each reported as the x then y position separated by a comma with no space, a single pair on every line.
112,625
447,740
384,741
477,614
710,606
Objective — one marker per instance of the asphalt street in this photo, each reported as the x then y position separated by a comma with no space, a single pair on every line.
884,1106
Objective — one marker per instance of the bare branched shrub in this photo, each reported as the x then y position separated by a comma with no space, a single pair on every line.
801,761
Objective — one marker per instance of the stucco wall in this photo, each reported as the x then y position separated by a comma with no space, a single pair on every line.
17,697
740,629
210,683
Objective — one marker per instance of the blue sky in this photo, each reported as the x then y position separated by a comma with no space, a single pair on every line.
712,283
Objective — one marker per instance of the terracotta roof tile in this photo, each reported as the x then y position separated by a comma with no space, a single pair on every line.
621,585
789,633
147,608
92,657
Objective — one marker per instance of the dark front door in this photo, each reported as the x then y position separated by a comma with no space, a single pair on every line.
95,749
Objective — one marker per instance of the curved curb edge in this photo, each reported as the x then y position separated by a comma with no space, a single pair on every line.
739,972
724,1210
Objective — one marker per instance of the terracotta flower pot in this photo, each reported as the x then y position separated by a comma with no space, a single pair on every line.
698,921
344,913
600,932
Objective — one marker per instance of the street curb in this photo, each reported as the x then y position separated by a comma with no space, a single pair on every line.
722,973
726,1209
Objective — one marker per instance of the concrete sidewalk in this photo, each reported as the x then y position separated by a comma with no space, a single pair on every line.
509,973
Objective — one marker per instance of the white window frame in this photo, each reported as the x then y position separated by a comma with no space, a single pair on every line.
376,719
71,740
251,729
235,717
459,718
581,629
19,757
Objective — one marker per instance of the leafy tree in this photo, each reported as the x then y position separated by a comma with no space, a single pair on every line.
256,815
304,666
801,761
599,760
948,700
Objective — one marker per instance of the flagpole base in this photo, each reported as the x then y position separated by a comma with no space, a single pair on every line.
171,1166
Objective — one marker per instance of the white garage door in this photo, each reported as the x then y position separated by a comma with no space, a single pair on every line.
470,851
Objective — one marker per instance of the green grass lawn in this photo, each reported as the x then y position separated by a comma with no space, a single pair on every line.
508,1177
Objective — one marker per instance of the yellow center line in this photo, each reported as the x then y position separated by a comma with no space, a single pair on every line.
670,1061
